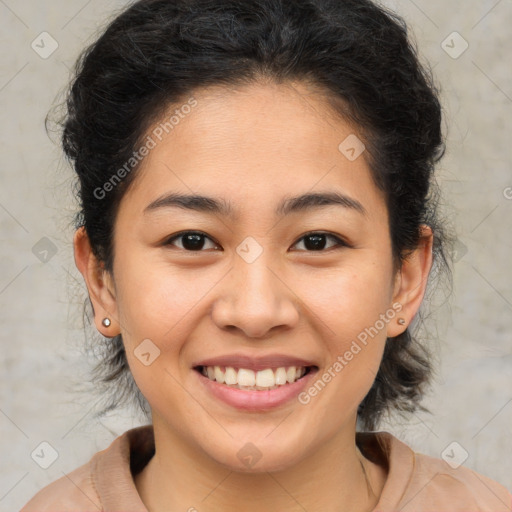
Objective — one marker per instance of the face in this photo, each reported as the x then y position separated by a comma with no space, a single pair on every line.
252,279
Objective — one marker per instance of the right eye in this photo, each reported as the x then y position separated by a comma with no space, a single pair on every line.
191,240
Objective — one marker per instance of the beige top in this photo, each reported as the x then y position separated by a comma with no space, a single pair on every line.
415,482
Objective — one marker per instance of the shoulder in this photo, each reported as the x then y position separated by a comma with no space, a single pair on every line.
73,492
420,483
456,487
103,483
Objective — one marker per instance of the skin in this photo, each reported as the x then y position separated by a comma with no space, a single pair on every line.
254,146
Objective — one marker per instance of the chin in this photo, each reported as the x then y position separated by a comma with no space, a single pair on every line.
258,456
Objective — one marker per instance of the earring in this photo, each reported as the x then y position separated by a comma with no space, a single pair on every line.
106,322
401,321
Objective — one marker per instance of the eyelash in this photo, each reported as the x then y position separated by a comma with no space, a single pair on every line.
340,242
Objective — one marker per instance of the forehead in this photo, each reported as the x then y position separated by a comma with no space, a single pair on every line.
287,120
263,141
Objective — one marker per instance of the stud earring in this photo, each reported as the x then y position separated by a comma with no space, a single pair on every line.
401,321
106,322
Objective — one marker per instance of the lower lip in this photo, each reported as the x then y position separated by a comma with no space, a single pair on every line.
250,400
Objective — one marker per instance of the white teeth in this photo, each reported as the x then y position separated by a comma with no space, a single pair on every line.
265,378
219,375
244,378
281,376
230,376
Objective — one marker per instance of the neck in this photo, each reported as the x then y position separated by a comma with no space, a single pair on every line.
335,477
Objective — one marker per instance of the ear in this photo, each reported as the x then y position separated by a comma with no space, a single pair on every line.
411,281
99,283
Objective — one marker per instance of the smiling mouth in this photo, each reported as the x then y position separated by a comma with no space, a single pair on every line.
250,380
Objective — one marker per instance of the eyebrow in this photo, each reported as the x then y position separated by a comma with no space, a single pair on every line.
289,205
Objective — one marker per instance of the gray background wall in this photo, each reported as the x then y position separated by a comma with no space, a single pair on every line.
41,293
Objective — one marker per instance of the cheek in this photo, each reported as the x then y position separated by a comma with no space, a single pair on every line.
351,296
155,300
352,306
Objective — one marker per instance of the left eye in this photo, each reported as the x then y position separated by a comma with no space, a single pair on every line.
196,241
317,241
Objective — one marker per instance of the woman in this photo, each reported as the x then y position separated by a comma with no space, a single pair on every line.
257,231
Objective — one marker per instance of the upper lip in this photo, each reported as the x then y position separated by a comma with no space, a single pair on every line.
255,363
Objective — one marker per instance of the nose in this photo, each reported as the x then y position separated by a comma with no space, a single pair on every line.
255,299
